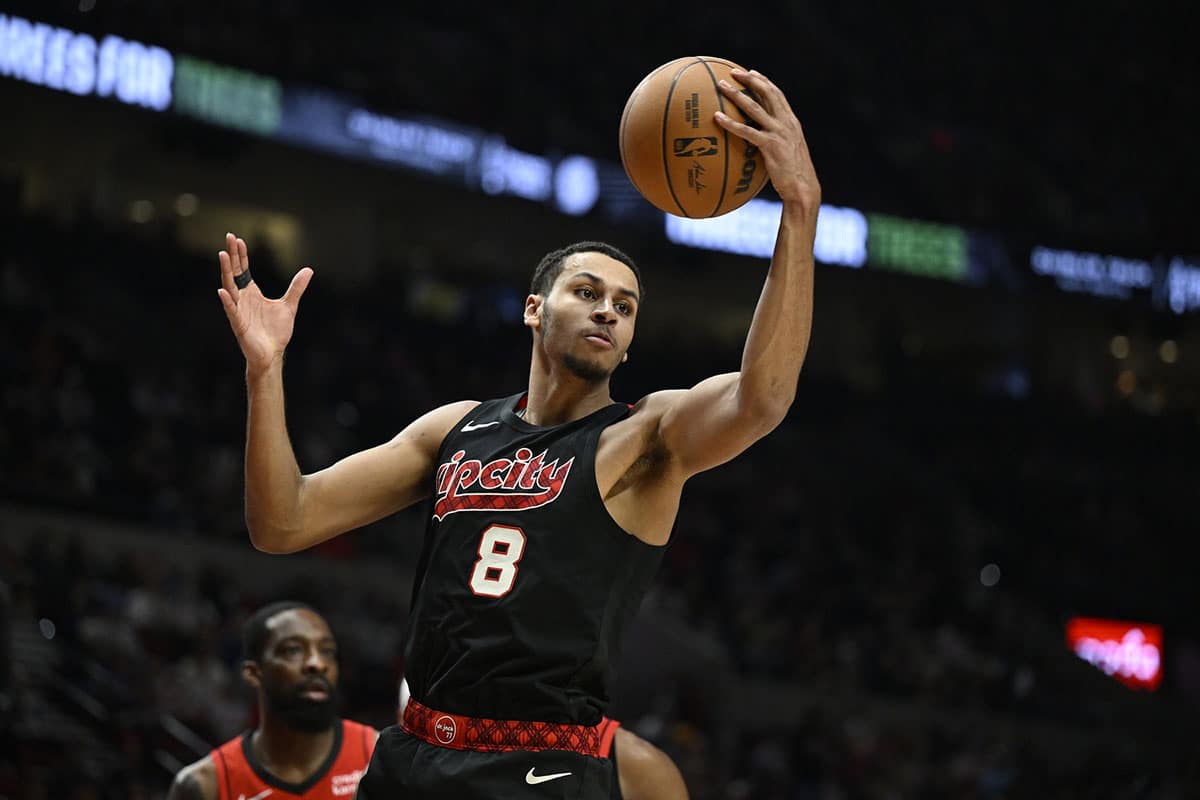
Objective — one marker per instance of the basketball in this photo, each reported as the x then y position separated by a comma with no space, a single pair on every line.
676,154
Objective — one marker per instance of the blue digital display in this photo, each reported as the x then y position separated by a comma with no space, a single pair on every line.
1183,286
841,237
146,76
63,60
1093,273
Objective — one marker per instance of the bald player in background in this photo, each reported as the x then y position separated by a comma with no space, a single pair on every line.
300,749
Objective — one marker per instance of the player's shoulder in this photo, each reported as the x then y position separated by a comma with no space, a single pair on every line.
453,412
655,404
356,725
642,424
431,428
370,733
196,781
646,414
461,406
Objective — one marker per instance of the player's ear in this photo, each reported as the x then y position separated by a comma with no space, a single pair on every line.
533,311
252,674
624,356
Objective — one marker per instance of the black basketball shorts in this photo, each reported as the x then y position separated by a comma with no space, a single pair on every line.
404,767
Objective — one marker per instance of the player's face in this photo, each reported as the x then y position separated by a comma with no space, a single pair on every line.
588,318
298,672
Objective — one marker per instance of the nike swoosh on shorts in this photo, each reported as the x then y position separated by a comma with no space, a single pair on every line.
534,780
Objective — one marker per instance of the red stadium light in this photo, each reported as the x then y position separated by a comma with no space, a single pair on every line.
1129,651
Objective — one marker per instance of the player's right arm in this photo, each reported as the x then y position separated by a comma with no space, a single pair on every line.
288,511
196,781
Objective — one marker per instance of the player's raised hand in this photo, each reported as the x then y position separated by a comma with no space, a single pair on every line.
778,135
263,326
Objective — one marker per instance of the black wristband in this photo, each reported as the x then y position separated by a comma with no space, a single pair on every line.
243,280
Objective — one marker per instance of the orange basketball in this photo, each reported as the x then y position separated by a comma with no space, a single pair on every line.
673,150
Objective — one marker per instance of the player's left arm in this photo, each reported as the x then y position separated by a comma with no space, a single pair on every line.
720,417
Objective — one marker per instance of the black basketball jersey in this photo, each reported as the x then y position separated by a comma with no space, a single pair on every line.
526,584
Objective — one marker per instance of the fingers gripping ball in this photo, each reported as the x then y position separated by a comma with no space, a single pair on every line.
673,150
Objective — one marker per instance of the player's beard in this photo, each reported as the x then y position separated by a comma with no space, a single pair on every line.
586,370
590,371
298,712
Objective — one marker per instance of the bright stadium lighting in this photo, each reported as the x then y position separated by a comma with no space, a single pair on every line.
576,185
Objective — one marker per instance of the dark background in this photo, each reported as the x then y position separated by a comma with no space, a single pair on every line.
822,626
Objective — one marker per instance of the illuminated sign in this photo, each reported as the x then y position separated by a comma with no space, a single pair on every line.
576,185
1092,273
144,75
1183,286
421,145
917,248
1129,651
330,122
841,237
504,170
226,96
748,231
60,59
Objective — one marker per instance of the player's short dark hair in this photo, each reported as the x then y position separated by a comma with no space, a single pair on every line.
254,630
551,265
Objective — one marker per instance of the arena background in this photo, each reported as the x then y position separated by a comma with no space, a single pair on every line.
995,432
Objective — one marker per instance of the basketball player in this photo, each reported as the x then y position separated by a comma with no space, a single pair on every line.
548,510
644,772
300,748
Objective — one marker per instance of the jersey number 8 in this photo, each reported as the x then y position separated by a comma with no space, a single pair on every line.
500,549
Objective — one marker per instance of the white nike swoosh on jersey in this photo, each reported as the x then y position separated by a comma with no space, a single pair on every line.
258,796
470,426
533,780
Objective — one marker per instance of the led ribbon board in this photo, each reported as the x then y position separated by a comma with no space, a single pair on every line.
146,76
231,98
60,59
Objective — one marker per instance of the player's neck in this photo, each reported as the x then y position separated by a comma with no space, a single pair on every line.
289,754
555,396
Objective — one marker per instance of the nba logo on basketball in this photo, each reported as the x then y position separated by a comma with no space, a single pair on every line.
695,146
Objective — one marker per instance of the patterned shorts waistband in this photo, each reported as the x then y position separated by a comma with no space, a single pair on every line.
503,735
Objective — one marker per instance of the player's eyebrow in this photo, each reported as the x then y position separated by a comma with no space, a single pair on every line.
598,280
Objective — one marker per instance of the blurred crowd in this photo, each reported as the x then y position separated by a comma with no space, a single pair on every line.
131,668
843,554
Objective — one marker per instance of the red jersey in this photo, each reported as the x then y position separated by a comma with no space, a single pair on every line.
240,775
